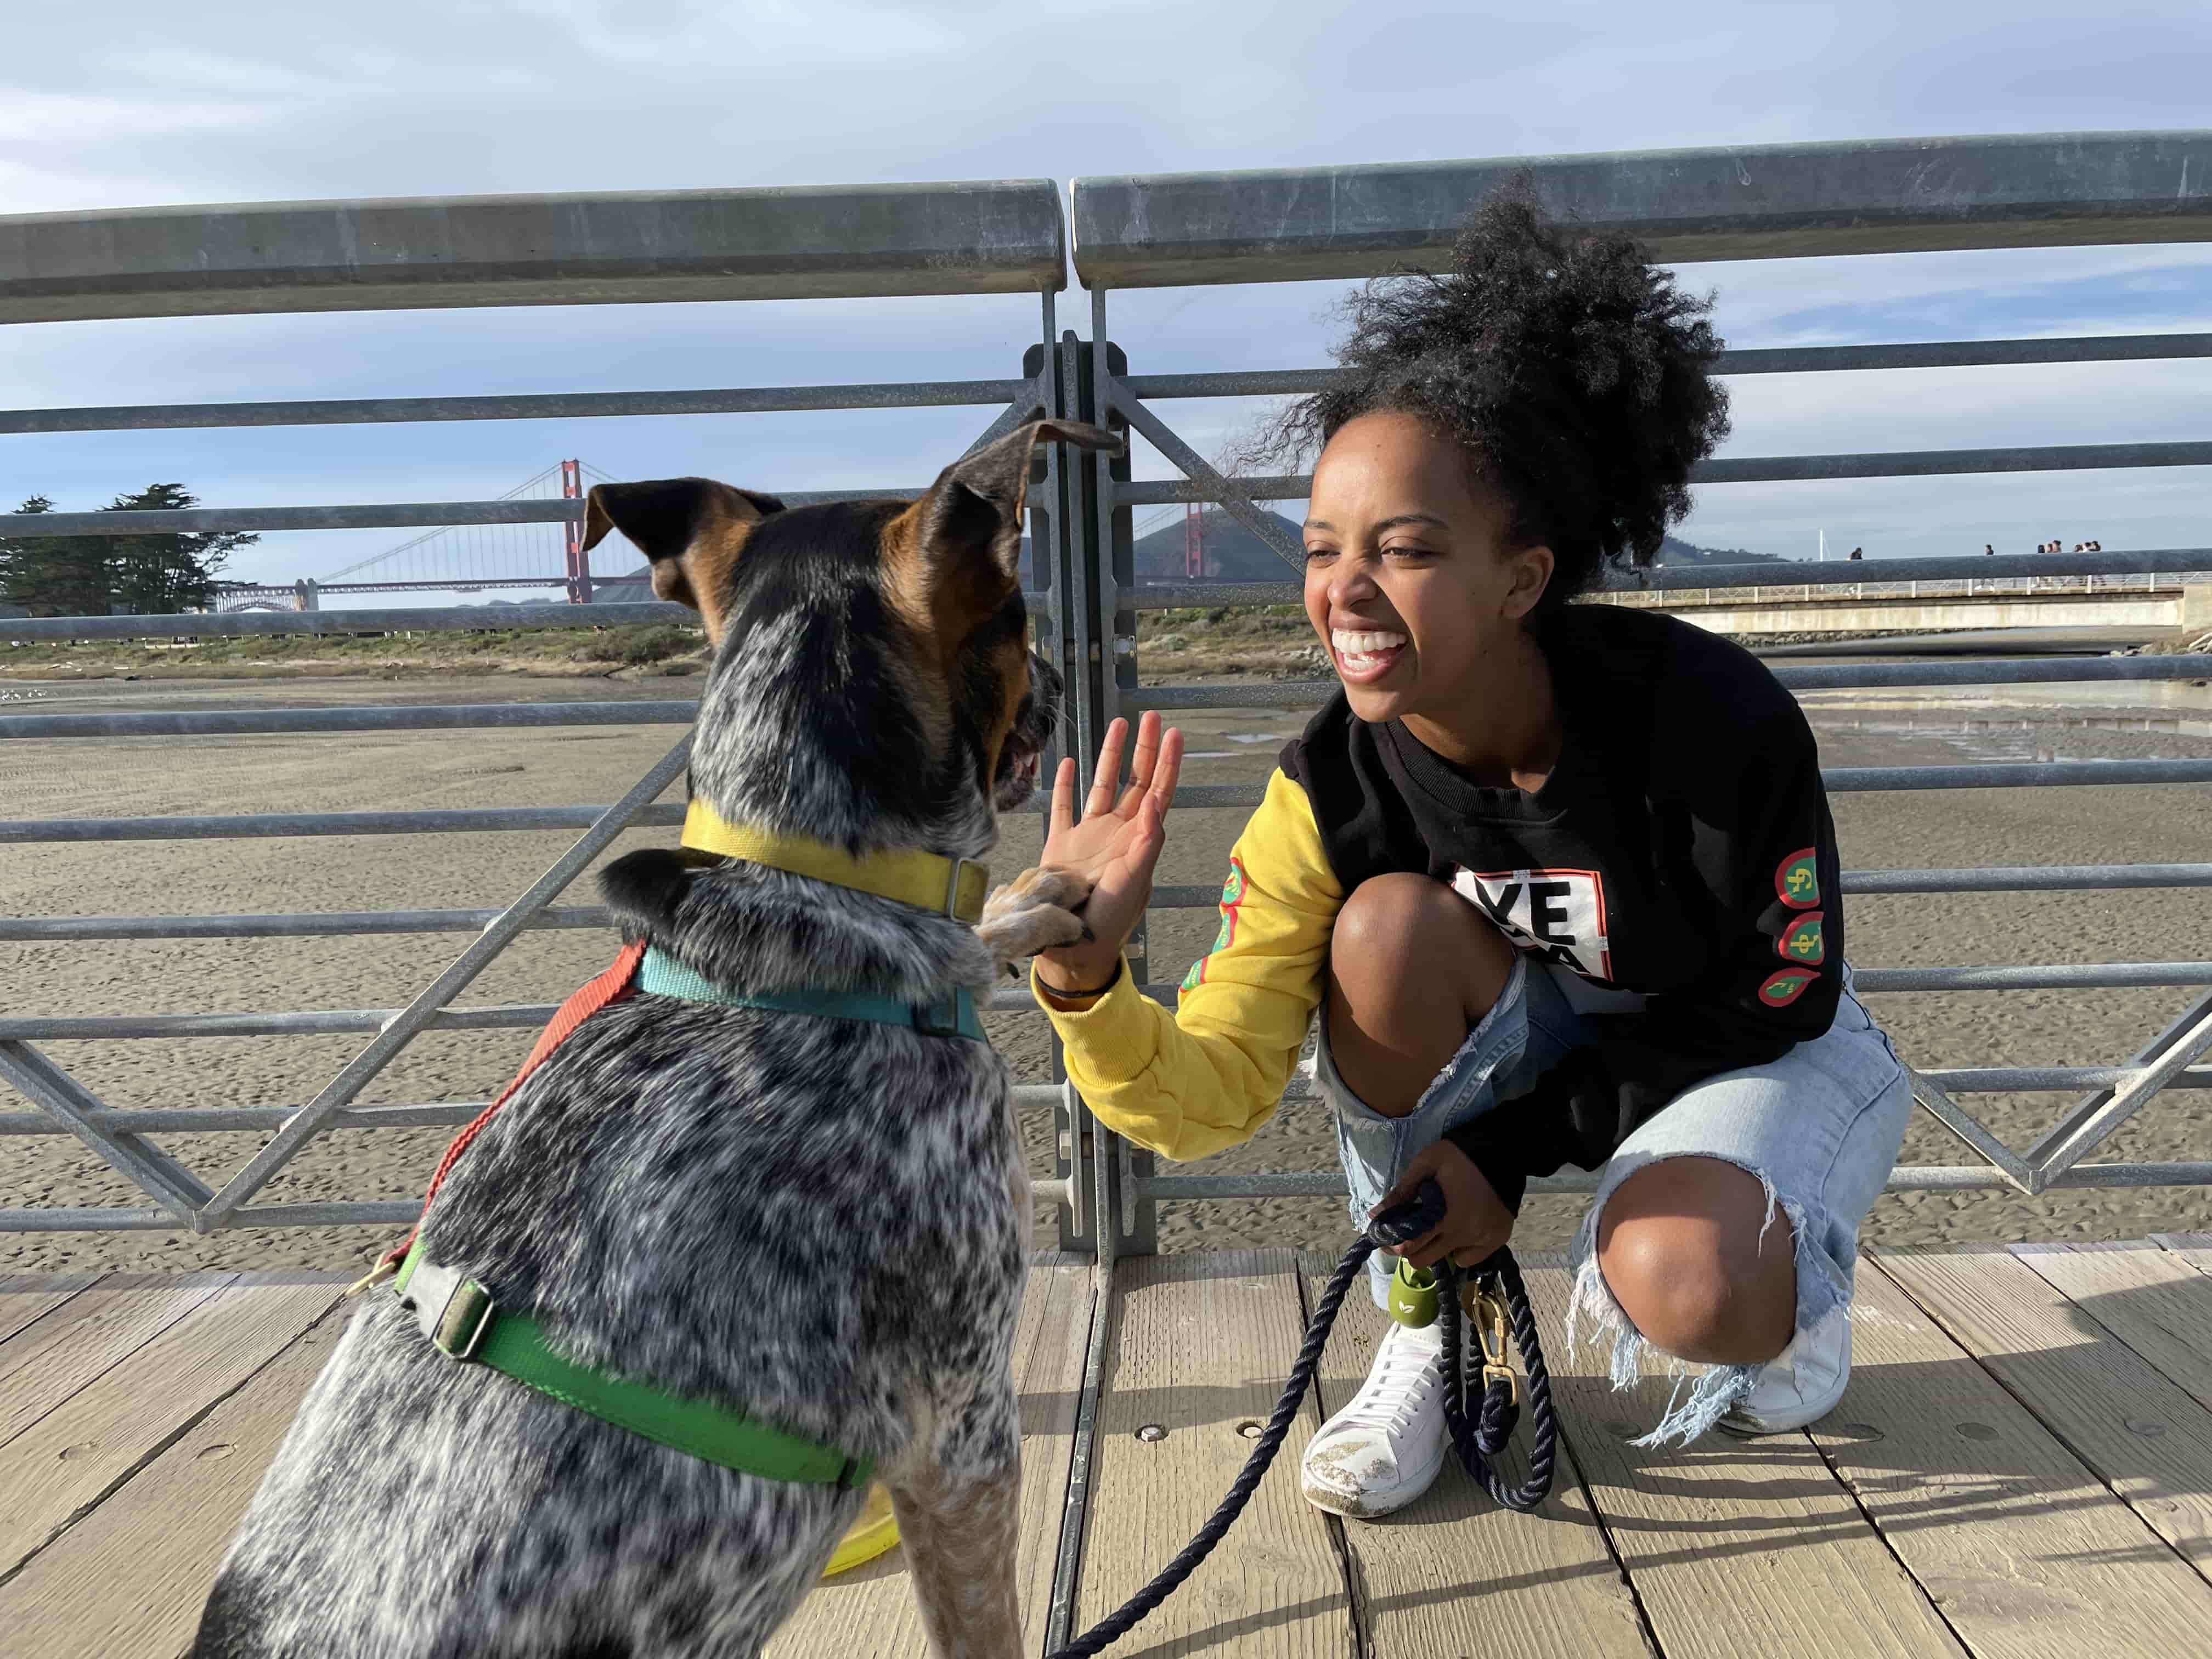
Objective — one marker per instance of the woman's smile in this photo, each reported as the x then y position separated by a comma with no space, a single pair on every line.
1364,653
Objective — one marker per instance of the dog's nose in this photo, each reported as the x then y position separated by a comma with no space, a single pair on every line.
1044,676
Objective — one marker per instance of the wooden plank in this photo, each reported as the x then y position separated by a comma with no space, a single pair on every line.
1200,1346
2143,1437
1734,1547
2195,1248
128,1581
46,1362
1454,1573
870,1609
35,1295
82,1449
2150,1298
2024,1551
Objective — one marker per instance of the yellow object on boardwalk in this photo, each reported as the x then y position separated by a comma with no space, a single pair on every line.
868,1537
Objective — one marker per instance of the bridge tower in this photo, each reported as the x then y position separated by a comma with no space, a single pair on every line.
572,536
1194,538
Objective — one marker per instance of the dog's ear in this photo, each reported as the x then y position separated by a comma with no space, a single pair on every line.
690,529
957,552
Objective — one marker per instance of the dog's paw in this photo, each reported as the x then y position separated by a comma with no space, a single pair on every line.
1035,911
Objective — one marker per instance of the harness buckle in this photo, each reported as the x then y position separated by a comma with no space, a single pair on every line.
461,1324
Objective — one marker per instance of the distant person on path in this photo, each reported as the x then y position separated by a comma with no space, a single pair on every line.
1855,553
1560,882
1989,549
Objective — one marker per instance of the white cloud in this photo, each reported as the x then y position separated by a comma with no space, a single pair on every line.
133,104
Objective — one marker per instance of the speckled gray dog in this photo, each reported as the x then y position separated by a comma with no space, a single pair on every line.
819,1222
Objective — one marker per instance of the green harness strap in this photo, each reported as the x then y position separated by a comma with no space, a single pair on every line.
467,1325
470,1326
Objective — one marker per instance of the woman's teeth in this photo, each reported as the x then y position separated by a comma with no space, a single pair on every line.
1364,649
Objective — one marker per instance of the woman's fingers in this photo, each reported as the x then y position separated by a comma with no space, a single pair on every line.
1101,799
1433,1247
1141,768
1170,768
1063,797
1143,850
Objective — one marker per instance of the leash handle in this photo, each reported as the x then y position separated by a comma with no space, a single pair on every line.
1407,1220
1400,1223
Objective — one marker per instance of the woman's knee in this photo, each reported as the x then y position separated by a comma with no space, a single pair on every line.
1682,1249
1403,932
1410,968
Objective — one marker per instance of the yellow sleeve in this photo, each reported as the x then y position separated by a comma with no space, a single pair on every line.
1208,1075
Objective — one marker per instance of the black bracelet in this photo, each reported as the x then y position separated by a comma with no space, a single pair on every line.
1112,980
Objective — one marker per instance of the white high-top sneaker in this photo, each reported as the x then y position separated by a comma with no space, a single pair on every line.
1385,1446
1799,1385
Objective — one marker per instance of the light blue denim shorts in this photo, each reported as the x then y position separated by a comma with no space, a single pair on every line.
1820,1127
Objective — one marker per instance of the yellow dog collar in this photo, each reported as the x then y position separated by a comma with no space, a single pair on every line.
928,881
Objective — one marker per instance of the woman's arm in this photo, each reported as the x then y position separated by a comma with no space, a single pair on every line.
1207,1075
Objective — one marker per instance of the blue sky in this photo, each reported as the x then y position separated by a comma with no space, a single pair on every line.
131,104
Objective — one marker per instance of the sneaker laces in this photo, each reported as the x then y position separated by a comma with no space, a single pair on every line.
1398,1386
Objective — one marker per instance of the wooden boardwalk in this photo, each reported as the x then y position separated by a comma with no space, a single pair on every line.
2022,1465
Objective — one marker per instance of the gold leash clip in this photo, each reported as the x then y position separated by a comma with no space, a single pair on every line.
1486,1312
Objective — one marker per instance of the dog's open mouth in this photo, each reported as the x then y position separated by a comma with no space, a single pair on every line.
1018,777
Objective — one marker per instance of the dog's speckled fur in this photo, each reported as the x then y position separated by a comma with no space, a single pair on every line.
819,1222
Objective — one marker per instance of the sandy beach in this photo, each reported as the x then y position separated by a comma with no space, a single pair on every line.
39,778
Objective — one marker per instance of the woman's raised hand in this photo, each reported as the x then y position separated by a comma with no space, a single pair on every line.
1114,845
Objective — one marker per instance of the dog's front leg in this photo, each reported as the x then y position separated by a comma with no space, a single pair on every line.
1035,911
959,1514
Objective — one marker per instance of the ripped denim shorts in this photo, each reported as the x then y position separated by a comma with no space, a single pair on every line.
1820,1128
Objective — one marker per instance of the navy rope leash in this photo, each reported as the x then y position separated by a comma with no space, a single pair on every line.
1476,1440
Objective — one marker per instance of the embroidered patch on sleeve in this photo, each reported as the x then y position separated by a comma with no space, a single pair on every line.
1802,941
1784,986
1232,895
1798,880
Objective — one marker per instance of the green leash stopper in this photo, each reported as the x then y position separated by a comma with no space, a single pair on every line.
1414,1295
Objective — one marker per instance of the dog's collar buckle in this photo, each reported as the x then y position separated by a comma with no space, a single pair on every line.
461,1325
965,884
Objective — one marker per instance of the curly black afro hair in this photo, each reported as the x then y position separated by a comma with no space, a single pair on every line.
1575,375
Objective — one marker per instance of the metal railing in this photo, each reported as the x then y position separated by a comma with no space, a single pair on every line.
1769,202
1780,202
993,237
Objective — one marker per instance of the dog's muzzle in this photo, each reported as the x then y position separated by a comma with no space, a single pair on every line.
1021,760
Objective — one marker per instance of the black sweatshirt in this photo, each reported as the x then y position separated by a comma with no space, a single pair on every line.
1681,847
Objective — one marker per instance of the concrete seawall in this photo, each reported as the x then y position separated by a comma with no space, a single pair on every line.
1760,611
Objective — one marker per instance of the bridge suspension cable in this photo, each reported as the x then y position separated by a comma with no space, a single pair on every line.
485,553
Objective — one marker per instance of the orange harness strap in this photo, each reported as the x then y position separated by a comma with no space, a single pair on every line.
611,985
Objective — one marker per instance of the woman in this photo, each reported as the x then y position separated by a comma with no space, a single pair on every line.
1562,881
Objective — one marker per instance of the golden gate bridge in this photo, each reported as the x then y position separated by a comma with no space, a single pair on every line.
459,558
475,558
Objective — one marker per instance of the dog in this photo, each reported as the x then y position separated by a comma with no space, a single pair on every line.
819,1222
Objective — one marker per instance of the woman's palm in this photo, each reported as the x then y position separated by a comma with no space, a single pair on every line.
1117,842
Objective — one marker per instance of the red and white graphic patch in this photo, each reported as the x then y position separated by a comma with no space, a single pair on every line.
1785,986
1797,879
1560,914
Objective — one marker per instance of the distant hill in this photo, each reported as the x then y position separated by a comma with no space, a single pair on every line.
1233,554
1672,551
